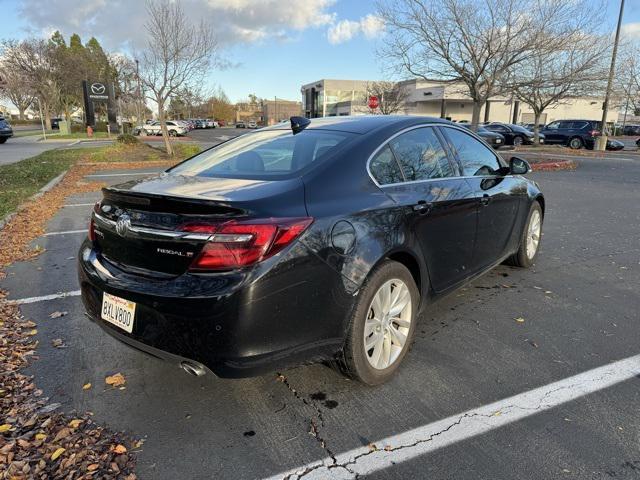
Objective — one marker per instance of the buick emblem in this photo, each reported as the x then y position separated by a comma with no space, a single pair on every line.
98,88
123,225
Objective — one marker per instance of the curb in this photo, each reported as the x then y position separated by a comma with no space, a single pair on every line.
52,183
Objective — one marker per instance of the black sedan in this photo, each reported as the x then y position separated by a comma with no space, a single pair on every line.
6,132
322,241
494,139
514,134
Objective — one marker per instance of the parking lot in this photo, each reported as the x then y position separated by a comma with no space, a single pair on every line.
505,334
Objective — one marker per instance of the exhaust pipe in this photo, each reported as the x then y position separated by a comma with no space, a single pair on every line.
193,369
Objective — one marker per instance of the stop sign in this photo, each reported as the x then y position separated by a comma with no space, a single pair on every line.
373,102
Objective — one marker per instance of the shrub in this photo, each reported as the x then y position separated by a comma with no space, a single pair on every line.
127,139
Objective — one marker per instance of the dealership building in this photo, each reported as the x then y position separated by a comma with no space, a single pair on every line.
433,98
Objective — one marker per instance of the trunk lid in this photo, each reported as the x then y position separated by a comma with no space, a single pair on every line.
140,225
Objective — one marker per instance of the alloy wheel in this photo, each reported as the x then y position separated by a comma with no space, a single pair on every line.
517,141
533,234
387,324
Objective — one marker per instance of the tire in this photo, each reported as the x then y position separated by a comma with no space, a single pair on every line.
576,143
525,257
518,141
3,139
173,133
356,361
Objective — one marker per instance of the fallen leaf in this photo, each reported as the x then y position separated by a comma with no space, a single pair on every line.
372,447
40,436
86,386
520,320
32,332
92,467
120,449
57,314
57,453
116,380
58,343
387,448
75,423
5,428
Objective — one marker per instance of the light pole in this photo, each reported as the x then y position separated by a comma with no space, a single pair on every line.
44,133
601,141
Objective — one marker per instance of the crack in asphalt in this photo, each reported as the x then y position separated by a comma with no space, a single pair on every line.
314,430
388,448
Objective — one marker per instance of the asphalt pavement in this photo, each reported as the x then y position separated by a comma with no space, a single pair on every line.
578,310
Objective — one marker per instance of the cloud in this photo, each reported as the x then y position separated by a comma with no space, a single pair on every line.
120,23
631,30
343,31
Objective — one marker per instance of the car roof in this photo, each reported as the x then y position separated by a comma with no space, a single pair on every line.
364,123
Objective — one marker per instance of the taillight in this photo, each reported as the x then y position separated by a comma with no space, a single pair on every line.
237,244
92,232
594,133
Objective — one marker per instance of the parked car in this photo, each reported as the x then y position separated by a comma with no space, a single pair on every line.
613,144
530,126
6,132
514,134
574,134
221,123
259,253
638,143
240,125
211,123
495,139
175,129
631,130
55,123
252,124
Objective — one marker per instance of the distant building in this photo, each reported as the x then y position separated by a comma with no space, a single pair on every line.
437,98
277,110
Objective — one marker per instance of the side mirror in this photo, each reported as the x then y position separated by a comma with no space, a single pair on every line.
519,166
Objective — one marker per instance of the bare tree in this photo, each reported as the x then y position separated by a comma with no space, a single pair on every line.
391,96
34,61
178,56
627,81
14,88
474,42
547,77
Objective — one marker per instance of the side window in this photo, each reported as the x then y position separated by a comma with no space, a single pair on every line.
553,126
565,125
384,167
421,155
476,159
497,128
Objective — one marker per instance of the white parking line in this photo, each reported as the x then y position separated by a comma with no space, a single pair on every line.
427,438
49,234
22,301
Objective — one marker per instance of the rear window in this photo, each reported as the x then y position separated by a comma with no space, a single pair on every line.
264,154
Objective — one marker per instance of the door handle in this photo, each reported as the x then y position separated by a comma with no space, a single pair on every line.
422,207
485,200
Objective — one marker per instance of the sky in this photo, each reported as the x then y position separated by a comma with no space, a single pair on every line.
270,47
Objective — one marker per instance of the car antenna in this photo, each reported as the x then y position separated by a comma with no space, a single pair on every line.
299,123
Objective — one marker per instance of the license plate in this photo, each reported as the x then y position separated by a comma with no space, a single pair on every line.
118,311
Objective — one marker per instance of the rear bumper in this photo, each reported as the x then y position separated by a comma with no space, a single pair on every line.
291,310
